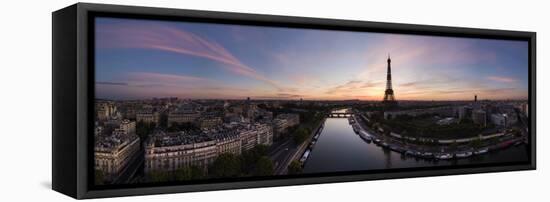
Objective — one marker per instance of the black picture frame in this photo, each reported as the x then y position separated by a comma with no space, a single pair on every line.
73,94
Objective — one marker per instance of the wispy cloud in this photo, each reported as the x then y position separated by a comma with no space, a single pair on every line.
150,84
356,88
159,78
411,54
288,95
433,82
151,79
111,83
292,63
170,39
502,79
465,93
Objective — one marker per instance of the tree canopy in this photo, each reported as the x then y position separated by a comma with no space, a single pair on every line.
264,166
99,177
300,135
226,165
189,173
295,167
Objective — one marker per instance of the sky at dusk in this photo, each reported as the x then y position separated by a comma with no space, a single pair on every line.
141,59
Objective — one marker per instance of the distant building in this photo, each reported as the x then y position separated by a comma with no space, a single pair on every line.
511,114
112,123
104,110
233,118
499,119
464,112
129,113
148,116
280,127
182,116
129,127
293,119
265,133
210,122
239,109
266,116
282,122
254,134
479,117
98,130
441,111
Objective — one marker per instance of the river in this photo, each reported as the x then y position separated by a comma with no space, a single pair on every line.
340,149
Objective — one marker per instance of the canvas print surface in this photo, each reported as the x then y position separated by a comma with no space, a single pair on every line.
190,102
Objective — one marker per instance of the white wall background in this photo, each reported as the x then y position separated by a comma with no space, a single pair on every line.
25,89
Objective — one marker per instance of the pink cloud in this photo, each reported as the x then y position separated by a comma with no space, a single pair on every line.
502,79
163,38
144,78
149,84
414,52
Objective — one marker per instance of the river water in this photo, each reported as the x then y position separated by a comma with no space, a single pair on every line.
340,149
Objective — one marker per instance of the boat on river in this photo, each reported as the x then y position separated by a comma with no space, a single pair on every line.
365,135
464,154
481,151
304,157
316,136
427,155
355,129
444,156
396,149
351,120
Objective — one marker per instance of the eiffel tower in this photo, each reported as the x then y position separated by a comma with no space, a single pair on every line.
389,97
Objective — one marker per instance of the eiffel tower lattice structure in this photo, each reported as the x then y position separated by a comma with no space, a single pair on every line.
389,97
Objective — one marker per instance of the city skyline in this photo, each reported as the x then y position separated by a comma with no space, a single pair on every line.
139,59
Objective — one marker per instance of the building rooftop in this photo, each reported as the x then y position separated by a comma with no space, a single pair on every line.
162,139
113,141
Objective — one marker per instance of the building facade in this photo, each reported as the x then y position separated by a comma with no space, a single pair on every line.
283,122
479,117
210,122
499,119
113,153
464,112
172,151
129,127
148,116
104,110
179,117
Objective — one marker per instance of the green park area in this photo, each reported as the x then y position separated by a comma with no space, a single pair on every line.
426,126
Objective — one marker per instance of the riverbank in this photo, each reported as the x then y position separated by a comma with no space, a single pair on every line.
299,152
339,149
440,152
